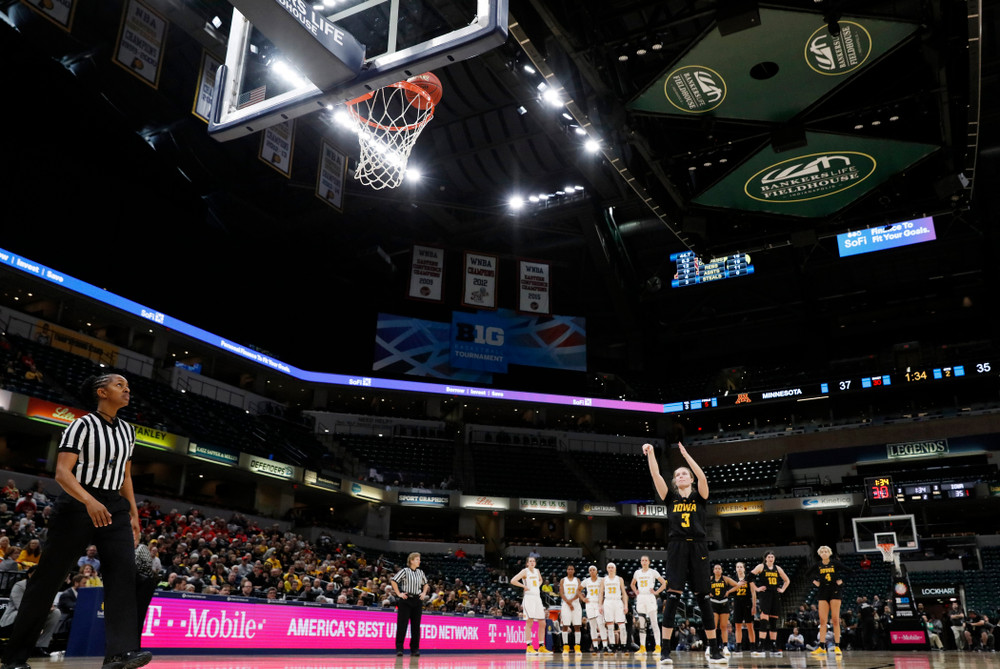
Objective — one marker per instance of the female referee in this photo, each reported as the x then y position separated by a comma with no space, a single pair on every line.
97,506
687,547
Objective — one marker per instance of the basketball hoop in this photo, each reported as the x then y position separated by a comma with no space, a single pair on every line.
388,122
887,551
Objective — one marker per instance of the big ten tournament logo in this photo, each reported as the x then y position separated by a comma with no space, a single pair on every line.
476,333
695,89
838,54
810,177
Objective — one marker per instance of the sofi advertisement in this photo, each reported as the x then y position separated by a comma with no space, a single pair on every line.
220,624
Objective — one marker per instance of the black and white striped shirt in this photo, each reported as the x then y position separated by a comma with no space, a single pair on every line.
410,581
103,450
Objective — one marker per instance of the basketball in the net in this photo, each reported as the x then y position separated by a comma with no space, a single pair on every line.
429,82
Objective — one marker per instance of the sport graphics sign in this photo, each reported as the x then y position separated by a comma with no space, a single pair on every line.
222,625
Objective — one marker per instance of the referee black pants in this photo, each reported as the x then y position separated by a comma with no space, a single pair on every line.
408,613
70,532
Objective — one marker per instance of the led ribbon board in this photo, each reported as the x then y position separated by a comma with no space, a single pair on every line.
886,237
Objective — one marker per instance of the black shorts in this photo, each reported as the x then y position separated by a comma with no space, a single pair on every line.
720,609
742,610
687,562
828,592
770,602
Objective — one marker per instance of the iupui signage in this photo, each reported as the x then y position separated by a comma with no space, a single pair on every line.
654,510
916,449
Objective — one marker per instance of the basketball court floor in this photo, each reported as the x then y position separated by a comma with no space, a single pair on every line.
793,660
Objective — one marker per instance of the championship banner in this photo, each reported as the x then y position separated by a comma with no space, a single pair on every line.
480,289
427,274
416,347
534,287
60,12
276,146
331,176
477,342
215,624
206,86
141,41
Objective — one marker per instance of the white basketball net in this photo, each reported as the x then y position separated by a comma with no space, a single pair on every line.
887,552
388,122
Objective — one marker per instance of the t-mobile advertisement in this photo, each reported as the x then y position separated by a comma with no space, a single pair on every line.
907,637
214,624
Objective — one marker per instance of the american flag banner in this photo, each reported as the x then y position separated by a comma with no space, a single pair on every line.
251,97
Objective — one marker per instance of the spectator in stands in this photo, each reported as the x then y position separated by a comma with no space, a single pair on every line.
33,374
534,553
90,557
16,607
795,640
271,594
31,554
67,602
6,515
10,492
90,577
26,503
933,632
9,562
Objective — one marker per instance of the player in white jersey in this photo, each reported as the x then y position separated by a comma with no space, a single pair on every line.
644,585
614,605
571,614
592,597
530,580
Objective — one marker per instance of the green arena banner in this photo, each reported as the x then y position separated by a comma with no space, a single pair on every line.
826,175
770,72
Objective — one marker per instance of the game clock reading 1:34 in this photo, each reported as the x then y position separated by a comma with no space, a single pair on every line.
879,489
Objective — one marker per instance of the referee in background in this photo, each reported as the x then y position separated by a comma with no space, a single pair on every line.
410,586
97,506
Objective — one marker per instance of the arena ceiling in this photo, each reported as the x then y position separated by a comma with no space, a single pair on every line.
118,183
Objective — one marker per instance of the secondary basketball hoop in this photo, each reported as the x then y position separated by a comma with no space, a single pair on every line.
389,121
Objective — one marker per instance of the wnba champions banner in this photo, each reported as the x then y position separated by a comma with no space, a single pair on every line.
480,289
533,287
427,274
